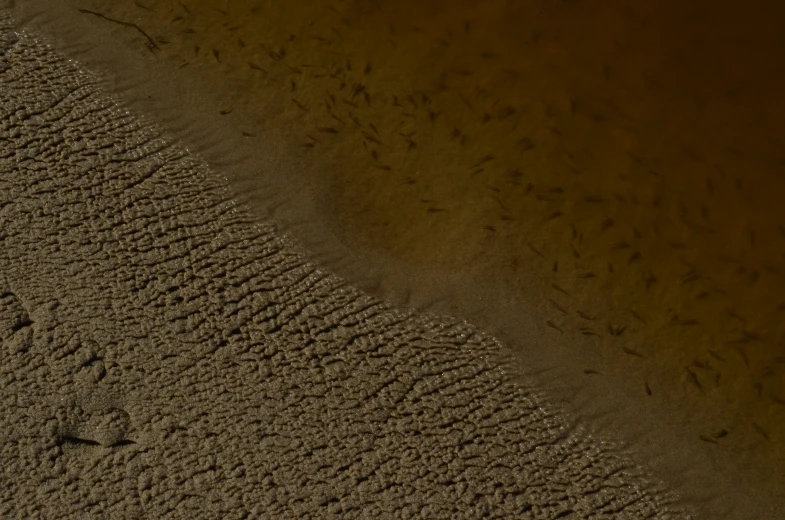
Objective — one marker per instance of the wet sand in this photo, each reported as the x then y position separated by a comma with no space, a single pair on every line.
638,317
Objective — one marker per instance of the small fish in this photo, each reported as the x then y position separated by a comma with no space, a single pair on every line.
637,316
586,316
557,306
694,378
553,325
536,251
761,431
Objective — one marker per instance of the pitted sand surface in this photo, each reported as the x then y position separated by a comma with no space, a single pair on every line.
599,185
169,352
164,357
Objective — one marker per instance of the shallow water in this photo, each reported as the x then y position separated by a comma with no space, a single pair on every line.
618,169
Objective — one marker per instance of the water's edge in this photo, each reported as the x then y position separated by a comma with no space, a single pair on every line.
180,107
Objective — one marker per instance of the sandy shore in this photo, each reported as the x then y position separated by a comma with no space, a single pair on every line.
167,353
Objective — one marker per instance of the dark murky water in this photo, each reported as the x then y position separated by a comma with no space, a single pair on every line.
619,166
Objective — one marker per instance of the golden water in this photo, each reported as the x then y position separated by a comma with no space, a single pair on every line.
620,165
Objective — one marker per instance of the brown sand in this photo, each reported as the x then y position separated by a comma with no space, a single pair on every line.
165,344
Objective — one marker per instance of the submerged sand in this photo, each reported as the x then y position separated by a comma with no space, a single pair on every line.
167,353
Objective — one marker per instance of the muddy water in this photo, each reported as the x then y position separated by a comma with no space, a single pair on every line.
617,167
